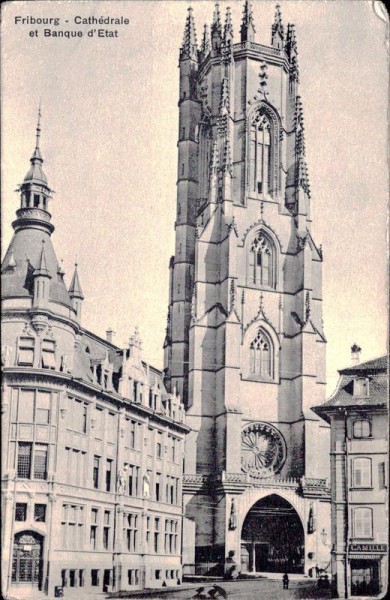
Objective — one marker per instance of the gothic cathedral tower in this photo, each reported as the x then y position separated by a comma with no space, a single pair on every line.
245,346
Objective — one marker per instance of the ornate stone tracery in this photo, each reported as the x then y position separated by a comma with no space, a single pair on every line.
263,450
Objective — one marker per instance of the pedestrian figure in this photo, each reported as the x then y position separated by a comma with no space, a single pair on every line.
285,581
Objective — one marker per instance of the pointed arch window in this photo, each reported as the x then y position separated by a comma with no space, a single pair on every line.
261,355
205,143
262,262
260,155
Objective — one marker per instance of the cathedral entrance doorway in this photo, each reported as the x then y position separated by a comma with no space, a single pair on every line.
272,538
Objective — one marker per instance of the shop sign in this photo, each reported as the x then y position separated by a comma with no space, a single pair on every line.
367,547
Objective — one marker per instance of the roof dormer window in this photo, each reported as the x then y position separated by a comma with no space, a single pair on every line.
361,387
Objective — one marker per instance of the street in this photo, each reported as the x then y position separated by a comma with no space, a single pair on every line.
258,589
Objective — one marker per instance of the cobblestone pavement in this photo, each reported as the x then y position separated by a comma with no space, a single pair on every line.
259,589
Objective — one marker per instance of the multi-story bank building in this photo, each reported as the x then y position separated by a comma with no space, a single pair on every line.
92,443
245,345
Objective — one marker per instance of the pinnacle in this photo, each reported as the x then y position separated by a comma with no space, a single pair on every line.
277,36
75,290
206,44
228,29
42,263
216,25
247,26
190,47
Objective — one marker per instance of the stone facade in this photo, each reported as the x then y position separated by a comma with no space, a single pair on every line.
92,443
358,416
245,345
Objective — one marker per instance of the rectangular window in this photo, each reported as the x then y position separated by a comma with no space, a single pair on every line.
99,423
159,444
147,533
95,577
93,537
26,406
48,354
94,528
158,486
81,578
108,474
72,526
111,427
40,513
133,480
40,461
24,460
72,577
156,534
20,511
360,388
130,532
133,577
26,351
157,574
42,410
96,468
106,529
362,520
150,441
361,472
132,434
382,475
362,428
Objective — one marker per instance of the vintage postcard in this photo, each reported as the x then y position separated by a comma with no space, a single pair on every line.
194,299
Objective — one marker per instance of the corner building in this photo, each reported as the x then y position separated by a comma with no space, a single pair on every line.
92,443
358,415
245,345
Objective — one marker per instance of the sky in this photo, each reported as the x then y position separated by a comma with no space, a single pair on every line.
109,140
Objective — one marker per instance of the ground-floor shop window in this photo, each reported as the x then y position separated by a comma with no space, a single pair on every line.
365,578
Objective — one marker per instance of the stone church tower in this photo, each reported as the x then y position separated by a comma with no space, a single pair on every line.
245,345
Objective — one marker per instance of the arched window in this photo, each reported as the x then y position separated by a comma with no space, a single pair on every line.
260,155
261,355
262,262
362,522
361,472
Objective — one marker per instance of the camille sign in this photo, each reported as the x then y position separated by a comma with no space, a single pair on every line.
368,547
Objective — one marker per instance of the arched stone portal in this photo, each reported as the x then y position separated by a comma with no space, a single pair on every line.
27,559
272,537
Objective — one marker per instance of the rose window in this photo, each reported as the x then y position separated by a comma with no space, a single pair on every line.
263,450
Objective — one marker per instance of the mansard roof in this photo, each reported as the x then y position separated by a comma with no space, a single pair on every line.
345,397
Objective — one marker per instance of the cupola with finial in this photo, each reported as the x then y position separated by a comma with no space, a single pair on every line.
35,193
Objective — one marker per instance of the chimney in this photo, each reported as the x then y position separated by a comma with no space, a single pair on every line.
110,335
355,354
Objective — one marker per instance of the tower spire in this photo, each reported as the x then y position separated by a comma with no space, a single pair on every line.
277,36
189,48
247,26
37,152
